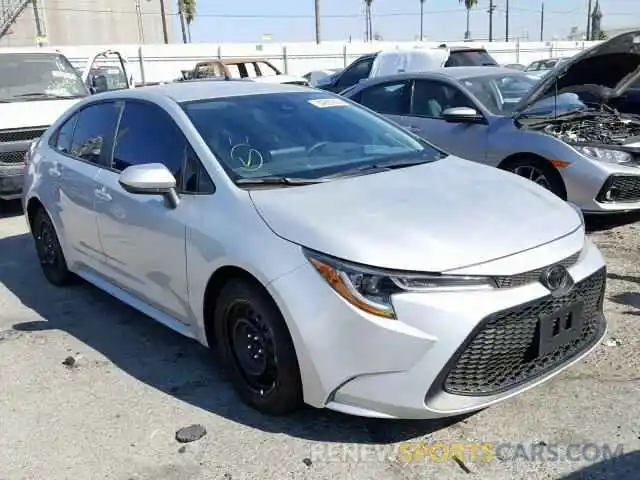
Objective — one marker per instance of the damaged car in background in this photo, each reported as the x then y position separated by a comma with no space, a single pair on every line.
585,152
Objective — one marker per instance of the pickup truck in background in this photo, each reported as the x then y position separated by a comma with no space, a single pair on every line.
35,89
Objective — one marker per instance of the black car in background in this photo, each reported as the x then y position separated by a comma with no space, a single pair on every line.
361,67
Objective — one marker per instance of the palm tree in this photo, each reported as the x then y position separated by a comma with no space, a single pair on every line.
468,4
187,13
421,20
368,20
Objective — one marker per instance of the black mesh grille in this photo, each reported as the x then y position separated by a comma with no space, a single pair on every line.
620,188
504,351
532,276
12,158
21,134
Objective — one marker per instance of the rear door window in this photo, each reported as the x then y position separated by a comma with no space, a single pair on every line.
94,132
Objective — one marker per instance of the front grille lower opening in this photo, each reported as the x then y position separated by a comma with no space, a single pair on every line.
505,350
620,189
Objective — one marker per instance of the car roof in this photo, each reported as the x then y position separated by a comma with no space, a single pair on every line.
200,90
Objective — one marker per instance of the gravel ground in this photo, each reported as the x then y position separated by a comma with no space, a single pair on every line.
90,389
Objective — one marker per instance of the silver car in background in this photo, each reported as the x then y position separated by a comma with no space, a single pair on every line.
538,69
329,256
587,153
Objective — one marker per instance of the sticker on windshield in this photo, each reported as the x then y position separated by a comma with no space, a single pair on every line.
328,102
59,74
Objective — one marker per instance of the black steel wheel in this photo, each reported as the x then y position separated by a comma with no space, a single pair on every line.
256,348
52,261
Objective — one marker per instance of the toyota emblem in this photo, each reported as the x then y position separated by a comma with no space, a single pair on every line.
558,280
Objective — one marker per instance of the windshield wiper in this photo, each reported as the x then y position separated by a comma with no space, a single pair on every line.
277,181
376,167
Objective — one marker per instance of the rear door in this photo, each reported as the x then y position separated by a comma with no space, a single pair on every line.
80,149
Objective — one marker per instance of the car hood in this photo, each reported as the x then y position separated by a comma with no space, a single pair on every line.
34,113
444,215
609,67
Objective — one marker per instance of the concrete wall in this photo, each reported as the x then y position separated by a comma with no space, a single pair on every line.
82,22
164,62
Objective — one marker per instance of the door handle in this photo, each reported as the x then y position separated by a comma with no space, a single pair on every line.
55,171
101,194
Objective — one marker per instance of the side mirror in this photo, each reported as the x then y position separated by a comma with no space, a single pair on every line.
150,179
462,115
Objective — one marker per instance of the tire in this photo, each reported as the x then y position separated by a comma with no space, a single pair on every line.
540,172
256,348
52,261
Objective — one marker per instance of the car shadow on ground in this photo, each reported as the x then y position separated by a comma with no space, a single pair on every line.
599,223
165,360
11,208
623,467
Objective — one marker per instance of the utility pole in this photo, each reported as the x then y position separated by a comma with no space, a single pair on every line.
140,22
421,20
317,13
37,19
366,23
165,34
542,22
588,22
506,23
492,9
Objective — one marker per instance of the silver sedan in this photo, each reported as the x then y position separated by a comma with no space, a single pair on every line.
326,254
586,153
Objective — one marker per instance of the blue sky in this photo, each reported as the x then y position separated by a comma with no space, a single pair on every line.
293,21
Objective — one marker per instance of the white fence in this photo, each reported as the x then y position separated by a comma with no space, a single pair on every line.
154,63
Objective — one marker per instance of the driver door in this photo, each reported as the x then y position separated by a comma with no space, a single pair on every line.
429,99
143,240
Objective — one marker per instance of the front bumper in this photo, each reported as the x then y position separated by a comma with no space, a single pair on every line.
448,353
602,188
11,181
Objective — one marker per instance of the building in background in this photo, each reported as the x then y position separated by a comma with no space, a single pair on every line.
84,22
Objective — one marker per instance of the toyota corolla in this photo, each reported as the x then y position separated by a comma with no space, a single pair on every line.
328,255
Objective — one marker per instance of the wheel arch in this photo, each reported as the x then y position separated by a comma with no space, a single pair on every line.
218,279
543,162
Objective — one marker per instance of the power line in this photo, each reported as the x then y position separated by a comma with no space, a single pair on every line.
329,16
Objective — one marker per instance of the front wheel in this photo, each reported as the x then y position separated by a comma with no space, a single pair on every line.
539,172
256,348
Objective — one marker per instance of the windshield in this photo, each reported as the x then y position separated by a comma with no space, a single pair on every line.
500,93
471,58
35,75
306,135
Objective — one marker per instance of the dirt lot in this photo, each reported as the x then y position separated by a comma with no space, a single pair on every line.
114,413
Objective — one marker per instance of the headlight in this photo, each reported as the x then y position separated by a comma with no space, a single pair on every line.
578,211
371,289
604,154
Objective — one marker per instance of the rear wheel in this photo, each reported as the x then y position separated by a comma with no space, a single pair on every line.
540,172
256,348
52,261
